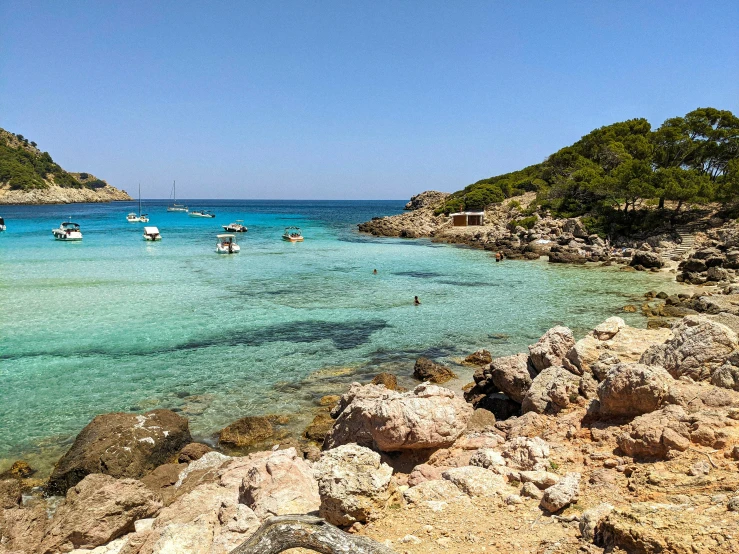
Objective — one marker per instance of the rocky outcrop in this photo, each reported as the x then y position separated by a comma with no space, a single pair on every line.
371,416
479,357
193,451
246,432
656,434
120,445
561,495
388,380
353,483
428,370
475,480
427,199
551,348
62,195
646,259
97,510
551,391
527,454
513,375
633,389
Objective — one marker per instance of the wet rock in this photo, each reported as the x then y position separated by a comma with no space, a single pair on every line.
699,347
98,510
426,417
656,434
193,451
10,494
319,427
633,389
121,445
428,370
551,348
19,470
246,432
513,375
479,358
646,259
475,481
527,454
279,483
388,380
551,391
561,495
353,483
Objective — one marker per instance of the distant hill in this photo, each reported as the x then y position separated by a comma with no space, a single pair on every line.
30,176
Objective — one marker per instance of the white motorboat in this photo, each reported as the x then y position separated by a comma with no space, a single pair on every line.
152,233
227,245
2,224
293,234
140,218
67,231
201,213
236,227
175,207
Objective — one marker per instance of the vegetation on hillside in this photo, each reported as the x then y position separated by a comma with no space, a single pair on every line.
613,172
24,167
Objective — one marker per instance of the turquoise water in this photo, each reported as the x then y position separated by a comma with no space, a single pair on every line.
115,323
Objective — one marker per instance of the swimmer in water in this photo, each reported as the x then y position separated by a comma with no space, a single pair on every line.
416,301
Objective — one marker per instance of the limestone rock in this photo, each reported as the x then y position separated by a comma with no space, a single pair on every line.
726,376
609,328
527,454
479,357
432,490
561,495
10,494
426,417
591,521
551,348
542,479
426,199
481,419
121,445
246,431
487,458
513,375
633,389
389,380
425,472
699,347
656,434
551,391
530,490
353,483
475,481
428,370
279,483
97,510
193,451
646,259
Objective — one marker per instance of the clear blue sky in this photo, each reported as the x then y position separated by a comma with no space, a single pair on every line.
346,99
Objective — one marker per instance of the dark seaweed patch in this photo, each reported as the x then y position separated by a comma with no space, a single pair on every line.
418,274
469,283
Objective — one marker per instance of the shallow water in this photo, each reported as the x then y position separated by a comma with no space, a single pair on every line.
115,323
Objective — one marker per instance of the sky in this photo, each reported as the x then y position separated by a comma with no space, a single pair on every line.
346,99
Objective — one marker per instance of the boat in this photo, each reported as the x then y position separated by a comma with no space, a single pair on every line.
67,231
235,227
2,224
201,213
175,207
226,245
152,233
141,218
293,234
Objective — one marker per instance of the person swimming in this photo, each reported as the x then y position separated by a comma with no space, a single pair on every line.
416,301
374,272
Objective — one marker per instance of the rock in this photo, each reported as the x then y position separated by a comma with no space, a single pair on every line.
353,483
10,494
726,376
428,370
246,432
513,375
162,481
388,380
279,483
591,521
19,470
425,472
432,490
120,445
699,347
479,357
551,391
551,348
656,434
542,479
475,481
566,255
526,454
646,259
21,529
330,400
733,504
717,274
633,389
193,451
487,458
561,495
609,328
319,427
481,419
371,416
498,404
427,199
699,469
98,510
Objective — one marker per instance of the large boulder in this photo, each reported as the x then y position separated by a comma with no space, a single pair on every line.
246,432
426,199
551,391
551,348
98,510
655,435
727,376
475,480
526,454
561,495
646,259
353,483
513,375
279,483
10,494
374,417
428,370
120,445
699,347
478,358
633,389
193,451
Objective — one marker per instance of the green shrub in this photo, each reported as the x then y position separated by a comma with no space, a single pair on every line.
526,223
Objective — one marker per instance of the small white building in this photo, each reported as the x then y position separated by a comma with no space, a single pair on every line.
467,219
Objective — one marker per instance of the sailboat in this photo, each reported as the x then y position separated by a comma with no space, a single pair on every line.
175,207
141,218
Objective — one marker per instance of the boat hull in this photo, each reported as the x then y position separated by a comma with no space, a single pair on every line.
192,214
176,209
293,239
234,250
68,237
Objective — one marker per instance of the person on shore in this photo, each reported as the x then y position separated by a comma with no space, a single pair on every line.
416,301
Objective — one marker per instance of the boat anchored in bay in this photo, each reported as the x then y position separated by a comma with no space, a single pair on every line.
175,207
236,227
152,233
67,231
293,234
201,213
227,245
140,218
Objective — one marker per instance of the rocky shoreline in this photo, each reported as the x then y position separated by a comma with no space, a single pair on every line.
62,195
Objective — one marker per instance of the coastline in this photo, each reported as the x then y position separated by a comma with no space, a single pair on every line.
61,195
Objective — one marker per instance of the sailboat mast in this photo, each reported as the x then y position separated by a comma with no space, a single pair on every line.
139,199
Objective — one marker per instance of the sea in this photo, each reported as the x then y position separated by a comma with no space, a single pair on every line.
115,323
